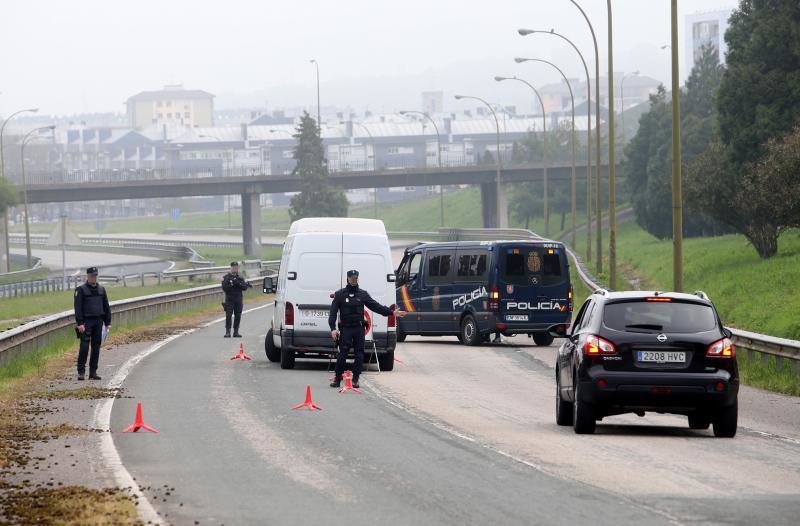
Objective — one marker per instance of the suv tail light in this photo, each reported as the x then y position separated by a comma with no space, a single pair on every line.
392,321
596,345
288,317
494,298
721,349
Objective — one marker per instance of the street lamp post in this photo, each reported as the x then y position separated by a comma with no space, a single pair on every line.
502,214
25,190
544,133
622,101
438,155
612,160
597,202
319,111
525,32
572,140
3,174
677,190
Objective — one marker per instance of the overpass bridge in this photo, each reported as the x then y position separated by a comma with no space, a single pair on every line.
103,185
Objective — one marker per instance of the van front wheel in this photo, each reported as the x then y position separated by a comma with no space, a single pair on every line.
469,331
386,361
287,358
401,334
273,353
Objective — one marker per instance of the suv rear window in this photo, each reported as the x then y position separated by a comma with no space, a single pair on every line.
527,265
649,316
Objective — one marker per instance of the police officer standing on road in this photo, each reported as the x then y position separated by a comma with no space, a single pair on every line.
234,286
349,303
92,311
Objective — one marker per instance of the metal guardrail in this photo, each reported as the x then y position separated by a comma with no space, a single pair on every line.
39,333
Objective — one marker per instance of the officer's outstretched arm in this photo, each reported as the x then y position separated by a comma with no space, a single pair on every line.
374,306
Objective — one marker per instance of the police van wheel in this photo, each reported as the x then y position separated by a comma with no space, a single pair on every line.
469,331
401,334
273,353
542,339
386,361
287,358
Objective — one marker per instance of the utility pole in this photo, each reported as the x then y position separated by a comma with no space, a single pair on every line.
677,190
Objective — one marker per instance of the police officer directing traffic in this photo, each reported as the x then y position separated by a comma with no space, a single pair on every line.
349,303
92,311
234,286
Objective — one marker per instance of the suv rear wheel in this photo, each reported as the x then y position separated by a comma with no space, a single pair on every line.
469,331
583,420
563,409
273,353
725,421
699,421
287,358
386,361
542,339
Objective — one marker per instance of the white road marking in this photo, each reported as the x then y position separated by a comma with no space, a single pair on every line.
102,420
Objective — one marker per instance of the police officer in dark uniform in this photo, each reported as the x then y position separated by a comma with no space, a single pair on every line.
234,286
91,313
349,303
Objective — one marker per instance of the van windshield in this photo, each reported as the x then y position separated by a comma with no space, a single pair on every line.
532,265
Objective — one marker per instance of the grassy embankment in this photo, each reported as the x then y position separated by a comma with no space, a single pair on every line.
750,293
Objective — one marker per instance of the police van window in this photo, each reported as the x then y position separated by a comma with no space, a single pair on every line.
471,267
528,265
438,267
413,266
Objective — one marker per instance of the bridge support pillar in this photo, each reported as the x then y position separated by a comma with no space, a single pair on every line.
251,225
5,264
491,203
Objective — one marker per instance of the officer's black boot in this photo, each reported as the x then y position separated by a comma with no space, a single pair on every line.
337,382
355,382
227,333
236,334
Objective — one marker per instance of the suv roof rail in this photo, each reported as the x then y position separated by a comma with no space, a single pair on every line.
600,291
700,294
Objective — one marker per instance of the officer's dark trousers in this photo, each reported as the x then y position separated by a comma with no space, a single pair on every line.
350,337
233,309
93,336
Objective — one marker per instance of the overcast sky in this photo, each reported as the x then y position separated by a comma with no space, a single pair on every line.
77,56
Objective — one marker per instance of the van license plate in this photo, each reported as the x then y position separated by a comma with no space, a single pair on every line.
661,356
315,313
517,317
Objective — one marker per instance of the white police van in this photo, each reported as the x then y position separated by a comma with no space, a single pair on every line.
473,289
317,254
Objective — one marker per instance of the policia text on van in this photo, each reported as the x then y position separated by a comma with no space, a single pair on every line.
476,289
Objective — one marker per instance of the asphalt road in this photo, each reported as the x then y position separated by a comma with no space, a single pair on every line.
453,435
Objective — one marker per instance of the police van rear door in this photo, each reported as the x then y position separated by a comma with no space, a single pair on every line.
534,283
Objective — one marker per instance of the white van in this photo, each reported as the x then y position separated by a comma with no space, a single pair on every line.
317,254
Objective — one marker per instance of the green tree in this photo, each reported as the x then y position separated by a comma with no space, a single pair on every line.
317,197
526,202
648,166
8,194
759,98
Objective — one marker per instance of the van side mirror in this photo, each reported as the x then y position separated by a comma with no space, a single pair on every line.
412,276
291,275
558,331
391,278
269,285
727,332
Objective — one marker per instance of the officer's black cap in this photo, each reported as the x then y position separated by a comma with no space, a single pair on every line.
352,273
234,263
91,270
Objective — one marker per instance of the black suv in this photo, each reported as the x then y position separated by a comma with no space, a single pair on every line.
631,352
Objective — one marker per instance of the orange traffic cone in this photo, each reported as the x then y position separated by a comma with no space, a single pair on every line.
241,355
348,386
138,423
308,403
